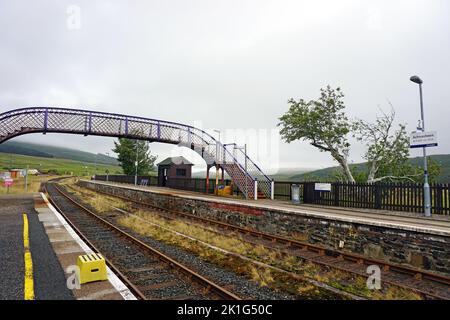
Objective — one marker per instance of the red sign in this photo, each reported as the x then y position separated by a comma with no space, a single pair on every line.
8,182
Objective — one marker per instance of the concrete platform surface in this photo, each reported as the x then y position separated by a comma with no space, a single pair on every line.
48,275
54,246
437,224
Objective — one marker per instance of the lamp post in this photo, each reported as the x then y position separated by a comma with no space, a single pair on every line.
95,173
426,186
107,171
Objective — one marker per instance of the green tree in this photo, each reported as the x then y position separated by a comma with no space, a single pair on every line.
387,152
322,123
126,151
338,176
387,148
434,170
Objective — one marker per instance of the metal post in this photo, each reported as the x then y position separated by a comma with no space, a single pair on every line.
26,179
246,178
245,166
256,189
216,189
45,120
207,179
95,164
426,186
136,163
272,189
107,171
217,146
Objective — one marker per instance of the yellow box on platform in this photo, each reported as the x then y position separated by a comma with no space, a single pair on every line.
92,268
224,190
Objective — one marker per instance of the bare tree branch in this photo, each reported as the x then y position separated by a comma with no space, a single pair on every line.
408,177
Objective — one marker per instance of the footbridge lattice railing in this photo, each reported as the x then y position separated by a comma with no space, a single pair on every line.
250,179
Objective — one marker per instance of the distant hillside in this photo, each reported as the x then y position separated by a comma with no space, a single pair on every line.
327,173
45,151
55,165
284,174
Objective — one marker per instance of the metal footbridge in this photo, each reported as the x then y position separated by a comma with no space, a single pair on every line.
248,177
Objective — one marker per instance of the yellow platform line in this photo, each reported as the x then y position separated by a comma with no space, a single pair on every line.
29,284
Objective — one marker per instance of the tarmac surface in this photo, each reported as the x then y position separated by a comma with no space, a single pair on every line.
48,275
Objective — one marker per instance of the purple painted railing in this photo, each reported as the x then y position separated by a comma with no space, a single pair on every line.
17,122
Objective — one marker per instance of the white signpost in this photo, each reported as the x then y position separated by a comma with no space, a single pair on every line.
8,182
423,139
322,186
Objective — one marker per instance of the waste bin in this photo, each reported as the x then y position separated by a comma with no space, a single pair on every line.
295,192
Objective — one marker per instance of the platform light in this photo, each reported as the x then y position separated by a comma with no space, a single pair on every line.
426,186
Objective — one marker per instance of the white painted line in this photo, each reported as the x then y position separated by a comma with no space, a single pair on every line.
112,278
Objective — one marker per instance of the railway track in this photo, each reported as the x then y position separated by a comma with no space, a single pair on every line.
148,273
426,284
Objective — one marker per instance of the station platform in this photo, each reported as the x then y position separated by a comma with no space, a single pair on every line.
37,246
395,237
436,224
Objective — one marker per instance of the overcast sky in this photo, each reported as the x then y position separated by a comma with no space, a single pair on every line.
228,65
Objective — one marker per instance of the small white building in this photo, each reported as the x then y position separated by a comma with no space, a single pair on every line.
33,172
5,175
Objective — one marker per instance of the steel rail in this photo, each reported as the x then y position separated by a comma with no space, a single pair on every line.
119,274
253,261
204,282
387,266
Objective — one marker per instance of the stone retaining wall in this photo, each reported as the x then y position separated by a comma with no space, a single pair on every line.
417,249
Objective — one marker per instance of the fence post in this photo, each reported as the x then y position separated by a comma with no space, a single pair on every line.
305,192
377,196
308,196
256,189
290,192
336,194
438,205
272,189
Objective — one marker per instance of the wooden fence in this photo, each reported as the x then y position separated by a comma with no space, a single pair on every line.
141,180
392,196
382,196
190,184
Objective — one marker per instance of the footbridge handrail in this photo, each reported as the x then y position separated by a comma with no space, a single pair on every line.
77,121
